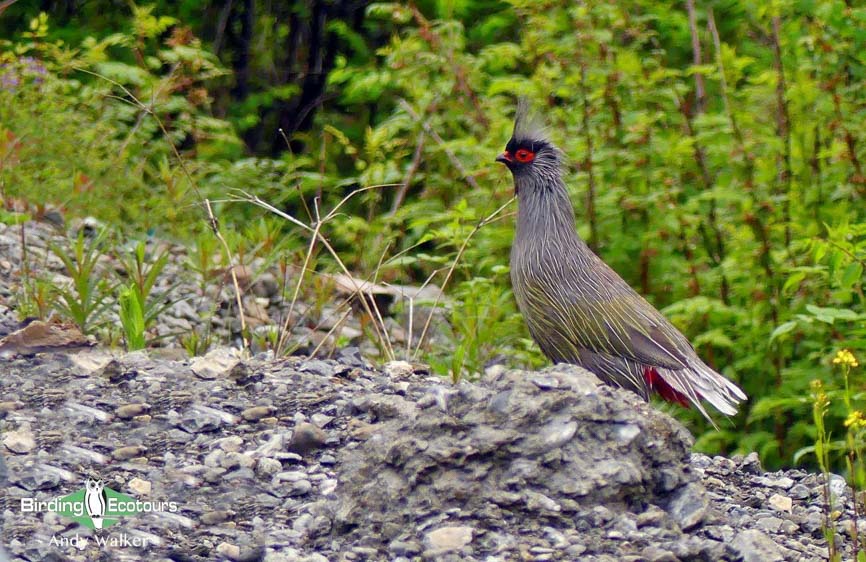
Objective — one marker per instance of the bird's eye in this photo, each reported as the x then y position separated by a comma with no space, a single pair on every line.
524,156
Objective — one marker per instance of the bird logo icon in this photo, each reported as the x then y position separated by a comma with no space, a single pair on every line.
95,501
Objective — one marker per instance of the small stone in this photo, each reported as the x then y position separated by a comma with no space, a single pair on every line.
751,464
813,523
852,531
770,524
215,363
318,367
398,369
128,452
216,517
139,486
350,356
783,482
214,458
494,371
233,460
789,527
7,406
291,476
20,441
303,523
651,517
328,486
447,539
306,437
321,420
545,382
300,488
266,467
230,551
232,443
404,548
539,502
327,460
256,413
838,487
781,503
799,492
556,434
754,546
129,411
689,506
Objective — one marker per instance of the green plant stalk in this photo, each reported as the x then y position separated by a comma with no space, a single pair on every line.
854,458
820,403
132,317
143,276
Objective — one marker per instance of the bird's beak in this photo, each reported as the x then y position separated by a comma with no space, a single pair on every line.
505,158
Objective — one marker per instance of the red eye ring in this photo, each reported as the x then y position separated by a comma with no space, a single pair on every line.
524,156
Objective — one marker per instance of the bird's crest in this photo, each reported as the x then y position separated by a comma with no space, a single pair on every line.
527,124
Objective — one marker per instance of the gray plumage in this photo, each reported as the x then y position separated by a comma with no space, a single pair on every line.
577,308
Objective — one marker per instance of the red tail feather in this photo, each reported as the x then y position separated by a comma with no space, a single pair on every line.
661,387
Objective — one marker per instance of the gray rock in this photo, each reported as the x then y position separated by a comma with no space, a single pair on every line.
689,506
307,437
447,539
754,546
20,441
427,462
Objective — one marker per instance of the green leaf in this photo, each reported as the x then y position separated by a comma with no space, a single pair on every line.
783,329
793,282
830,315
852,274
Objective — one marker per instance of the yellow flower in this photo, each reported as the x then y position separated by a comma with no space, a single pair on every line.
819,397
845,357
855,420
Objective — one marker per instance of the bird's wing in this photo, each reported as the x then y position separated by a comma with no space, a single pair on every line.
630,327
605,316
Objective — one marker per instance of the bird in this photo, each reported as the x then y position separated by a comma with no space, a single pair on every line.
577,308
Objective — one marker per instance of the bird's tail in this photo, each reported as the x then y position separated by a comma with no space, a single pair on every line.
698,383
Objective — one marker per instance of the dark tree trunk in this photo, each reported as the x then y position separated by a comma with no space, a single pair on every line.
321,49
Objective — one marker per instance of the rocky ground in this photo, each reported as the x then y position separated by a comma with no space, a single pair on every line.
195,293
336,459
327,460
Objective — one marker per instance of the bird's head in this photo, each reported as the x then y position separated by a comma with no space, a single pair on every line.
529,154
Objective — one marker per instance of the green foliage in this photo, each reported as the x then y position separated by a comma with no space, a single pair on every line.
85,301
136,300
82,130
132,317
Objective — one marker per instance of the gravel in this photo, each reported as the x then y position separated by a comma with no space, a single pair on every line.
317,460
